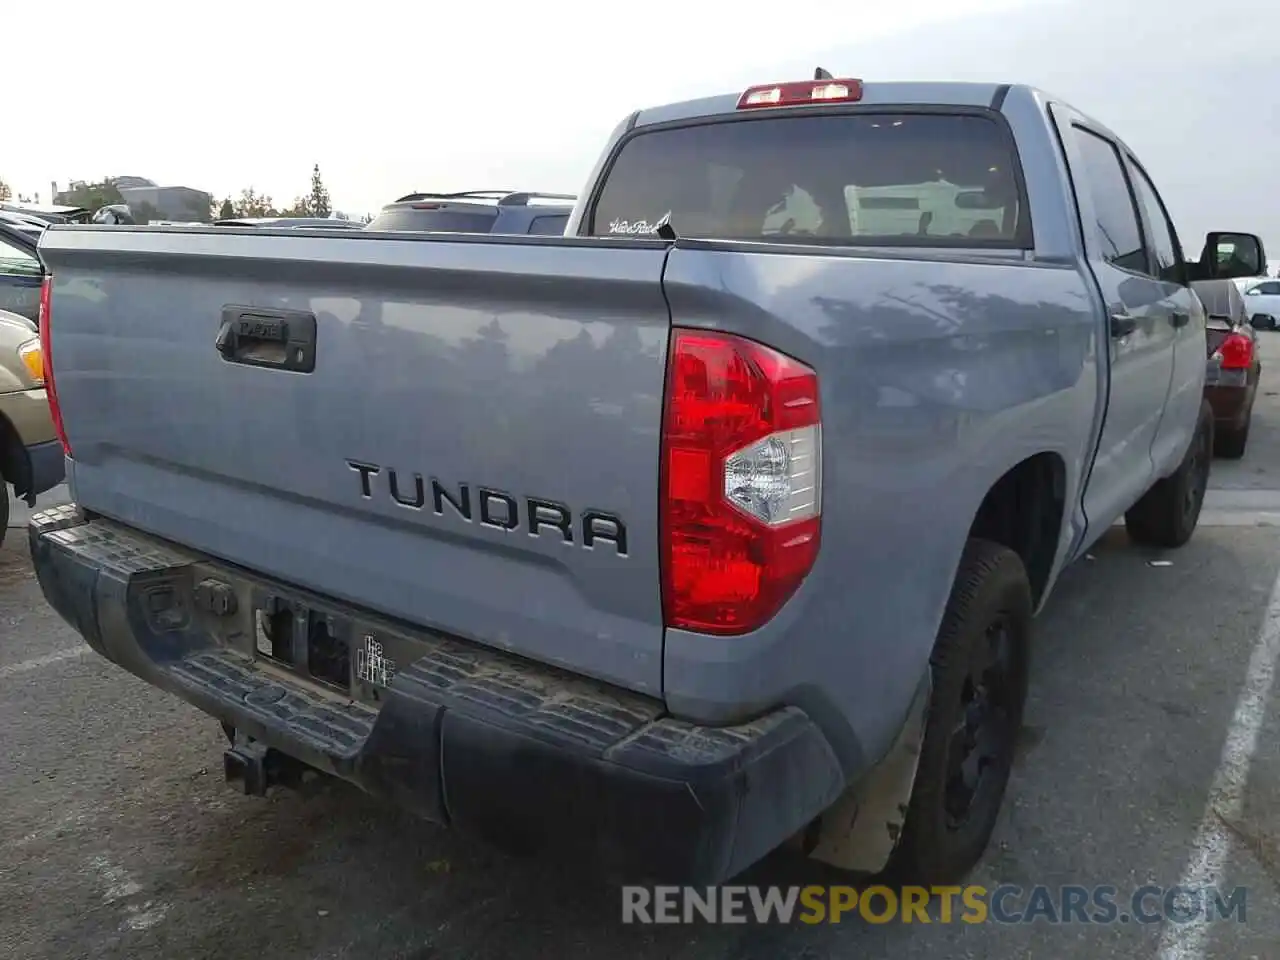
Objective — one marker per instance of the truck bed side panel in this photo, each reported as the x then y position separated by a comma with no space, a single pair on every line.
937,376
534,370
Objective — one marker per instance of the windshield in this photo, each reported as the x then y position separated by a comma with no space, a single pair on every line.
448,221
937,179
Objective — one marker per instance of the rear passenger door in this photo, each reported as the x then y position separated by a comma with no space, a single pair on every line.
1140,332
1186,317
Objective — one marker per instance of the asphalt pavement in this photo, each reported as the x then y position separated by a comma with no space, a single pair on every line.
1150,755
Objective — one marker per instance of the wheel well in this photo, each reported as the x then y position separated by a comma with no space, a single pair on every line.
1023,511
13,458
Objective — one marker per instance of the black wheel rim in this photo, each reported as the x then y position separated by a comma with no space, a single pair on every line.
982,739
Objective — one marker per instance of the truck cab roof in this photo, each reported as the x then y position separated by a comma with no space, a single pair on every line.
958,93
873,93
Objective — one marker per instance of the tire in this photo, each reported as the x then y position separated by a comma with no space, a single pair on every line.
1167,514
4,509
990,606
1230,444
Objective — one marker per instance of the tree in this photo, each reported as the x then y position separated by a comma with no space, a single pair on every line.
314,204
253,204
318,204
5,192
227,211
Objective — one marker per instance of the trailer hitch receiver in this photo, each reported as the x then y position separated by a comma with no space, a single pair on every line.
246,766
253,767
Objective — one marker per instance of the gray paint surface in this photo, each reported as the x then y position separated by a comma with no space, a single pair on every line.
537,377
537,366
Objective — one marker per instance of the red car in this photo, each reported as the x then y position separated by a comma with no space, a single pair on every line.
1234,367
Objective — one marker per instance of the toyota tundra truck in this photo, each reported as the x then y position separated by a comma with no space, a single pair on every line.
712,528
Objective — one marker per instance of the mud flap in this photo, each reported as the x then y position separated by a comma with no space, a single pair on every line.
862,828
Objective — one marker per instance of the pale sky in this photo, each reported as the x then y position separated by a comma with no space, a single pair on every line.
394,97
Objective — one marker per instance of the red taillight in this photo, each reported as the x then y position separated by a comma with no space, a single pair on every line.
801,91
1236,352
55,412
741,482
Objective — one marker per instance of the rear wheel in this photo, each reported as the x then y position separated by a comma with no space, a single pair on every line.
1167,514
980,667
4,508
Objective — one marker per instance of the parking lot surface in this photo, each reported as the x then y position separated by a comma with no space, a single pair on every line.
1150,755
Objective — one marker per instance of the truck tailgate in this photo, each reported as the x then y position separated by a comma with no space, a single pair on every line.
476,449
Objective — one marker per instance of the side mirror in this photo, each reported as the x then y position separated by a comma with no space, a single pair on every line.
1230,255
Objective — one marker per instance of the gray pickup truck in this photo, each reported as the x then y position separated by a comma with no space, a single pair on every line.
712,528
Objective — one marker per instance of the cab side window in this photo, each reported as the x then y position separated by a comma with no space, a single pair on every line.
1160,241
1118,232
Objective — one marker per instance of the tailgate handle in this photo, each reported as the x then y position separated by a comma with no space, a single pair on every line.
271,338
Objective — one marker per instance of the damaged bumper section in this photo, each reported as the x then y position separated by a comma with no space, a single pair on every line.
530,758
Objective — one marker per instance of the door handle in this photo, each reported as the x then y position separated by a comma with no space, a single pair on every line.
276,339
1179,319
1122,324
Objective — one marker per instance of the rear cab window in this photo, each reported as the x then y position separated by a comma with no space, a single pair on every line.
875,178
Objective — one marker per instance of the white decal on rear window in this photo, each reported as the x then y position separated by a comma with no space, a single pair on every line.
638,226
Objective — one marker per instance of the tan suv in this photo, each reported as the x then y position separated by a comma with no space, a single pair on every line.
30,455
